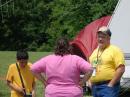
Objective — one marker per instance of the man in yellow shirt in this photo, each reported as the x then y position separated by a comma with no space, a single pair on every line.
108,63
14,80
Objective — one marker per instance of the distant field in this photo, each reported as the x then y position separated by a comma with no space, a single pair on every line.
8,57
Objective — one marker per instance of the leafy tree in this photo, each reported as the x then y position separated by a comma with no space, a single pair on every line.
70,16
36,24
26,26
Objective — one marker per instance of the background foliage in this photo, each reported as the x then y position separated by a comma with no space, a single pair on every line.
36,24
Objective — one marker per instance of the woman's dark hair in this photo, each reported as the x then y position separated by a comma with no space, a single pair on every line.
22,54
62,46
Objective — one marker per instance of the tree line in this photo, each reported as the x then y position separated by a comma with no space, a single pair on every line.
36,24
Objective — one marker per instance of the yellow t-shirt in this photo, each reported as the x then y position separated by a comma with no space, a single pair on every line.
106,63
13,77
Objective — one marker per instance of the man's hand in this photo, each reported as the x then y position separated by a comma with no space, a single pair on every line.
20,90
15,88
81,83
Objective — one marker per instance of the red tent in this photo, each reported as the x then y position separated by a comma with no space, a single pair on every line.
86,41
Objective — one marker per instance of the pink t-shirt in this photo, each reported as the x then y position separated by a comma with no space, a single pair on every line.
63,74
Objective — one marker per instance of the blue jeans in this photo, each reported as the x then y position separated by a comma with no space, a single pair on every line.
104,91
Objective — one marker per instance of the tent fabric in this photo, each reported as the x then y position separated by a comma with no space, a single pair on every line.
86,40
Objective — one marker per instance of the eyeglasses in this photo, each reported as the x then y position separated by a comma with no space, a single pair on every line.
102,36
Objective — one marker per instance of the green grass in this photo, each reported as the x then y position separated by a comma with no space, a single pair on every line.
8,57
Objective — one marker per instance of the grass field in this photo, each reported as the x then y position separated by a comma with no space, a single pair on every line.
8,57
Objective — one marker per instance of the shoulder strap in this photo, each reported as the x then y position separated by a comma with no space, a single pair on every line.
21,78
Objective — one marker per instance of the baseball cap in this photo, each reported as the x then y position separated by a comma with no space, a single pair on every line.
104,30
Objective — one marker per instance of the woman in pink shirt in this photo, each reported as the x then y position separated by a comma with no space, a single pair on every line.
62,70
